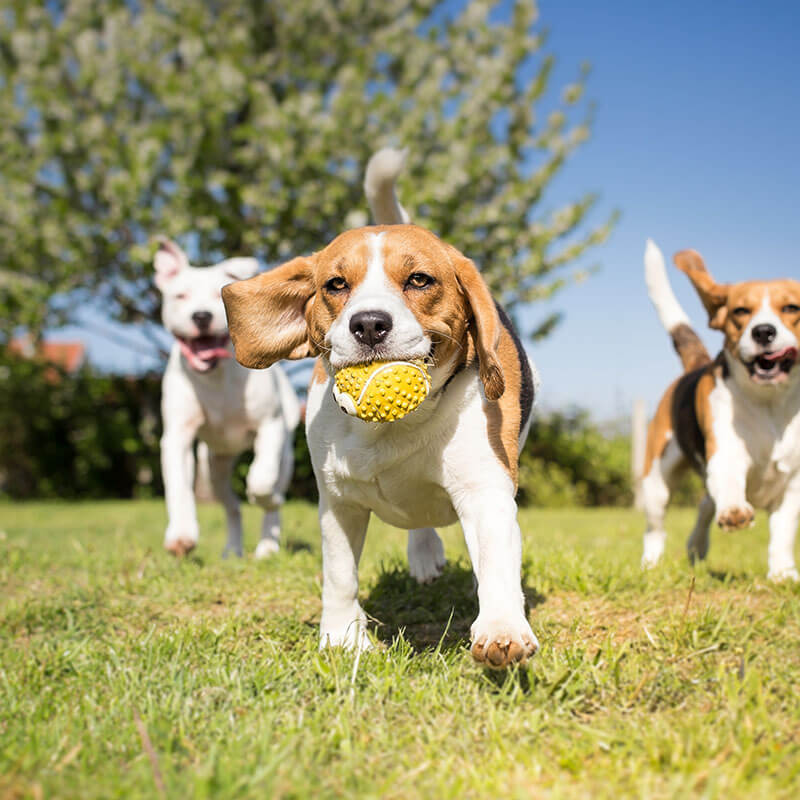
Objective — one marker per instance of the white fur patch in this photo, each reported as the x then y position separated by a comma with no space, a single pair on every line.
658,287
749,348
406,340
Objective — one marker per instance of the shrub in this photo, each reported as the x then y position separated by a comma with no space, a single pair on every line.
569,460
77,435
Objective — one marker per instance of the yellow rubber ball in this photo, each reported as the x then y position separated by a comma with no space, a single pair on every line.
382,391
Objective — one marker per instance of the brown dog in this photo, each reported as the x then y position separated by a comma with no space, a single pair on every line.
735,419
398,293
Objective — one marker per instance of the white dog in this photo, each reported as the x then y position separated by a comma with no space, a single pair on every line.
208,396
735,419
397,292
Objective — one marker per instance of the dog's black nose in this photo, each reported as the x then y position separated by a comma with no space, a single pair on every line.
764,334
370,327
202,319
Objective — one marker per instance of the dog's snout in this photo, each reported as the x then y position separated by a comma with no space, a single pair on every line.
764,334
202,319
370,327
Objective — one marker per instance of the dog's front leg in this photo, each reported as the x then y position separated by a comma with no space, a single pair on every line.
344,527
782,530
177,469
501,634
726,481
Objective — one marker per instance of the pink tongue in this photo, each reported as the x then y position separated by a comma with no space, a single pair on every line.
200,359
781,354
213,352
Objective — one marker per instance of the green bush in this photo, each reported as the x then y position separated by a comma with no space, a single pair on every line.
89,435
77,435
568,460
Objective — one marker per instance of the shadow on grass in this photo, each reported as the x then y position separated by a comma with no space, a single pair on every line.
396,602
730,576
297,546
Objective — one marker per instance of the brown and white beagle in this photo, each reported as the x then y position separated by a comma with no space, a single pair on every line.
736,419
397,292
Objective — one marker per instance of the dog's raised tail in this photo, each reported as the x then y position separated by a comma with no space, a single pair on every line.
690,349
380,178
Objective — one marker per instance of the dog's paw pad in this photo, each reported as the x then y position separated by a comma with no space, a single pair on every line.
499,645
180,547
736,517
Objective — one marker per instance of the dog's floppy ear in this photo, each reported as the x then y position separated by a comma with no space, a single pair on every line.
484,325
713,295
240,268
169,260
267,314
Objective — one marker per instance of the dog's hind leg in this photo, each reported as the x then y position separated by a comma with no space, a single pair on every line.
270,541
220,470
425,554
782,532
268,480
656,488
697,544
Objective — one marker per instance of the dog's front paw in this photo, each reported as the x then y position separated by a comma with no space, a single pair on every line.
784,574
426,559
499,642
734,518
349,631
180,540
265,498
181,546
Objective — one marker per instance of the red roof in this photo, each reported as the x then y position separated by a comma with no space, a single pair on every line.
67,355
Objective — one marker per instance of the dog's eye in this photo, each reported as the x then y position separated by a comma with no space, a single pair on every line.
740,311
336,284
181,296
790,308
418,280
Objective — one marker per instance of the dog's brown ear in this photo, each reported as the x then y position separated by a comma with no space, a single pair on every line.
713,295
267,314
484,326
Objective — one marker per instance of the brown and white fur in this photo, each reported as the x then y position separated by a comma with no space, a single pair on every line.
735,419
398,292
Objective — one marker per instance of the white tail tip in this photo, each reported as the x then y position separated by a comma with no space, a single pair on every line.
658,287
380,177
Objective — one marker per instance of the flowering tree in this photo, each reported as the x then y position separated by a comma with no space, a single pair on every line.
243,128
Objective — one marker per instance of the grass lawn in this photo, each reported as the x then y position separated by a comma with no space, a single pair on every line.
126,673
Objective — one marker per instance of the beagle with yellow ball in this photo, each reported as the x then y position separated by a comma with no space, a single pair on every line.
736,418
397,293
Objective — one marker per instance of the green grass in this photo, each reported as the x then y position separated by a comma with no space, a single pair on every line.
639,689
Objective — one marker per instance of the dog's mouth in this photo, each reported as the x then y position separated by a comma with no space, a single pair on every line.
773,367
203,352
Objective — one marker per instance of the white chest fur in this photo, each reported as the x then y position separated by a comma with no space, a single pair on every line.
225,405
404,471
763,429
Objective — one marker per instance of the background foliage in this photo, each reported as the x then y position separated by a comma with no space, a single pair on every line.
93,435
243,128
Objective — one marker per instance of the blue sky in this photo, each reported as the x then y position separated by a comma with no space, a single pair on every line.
696,143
